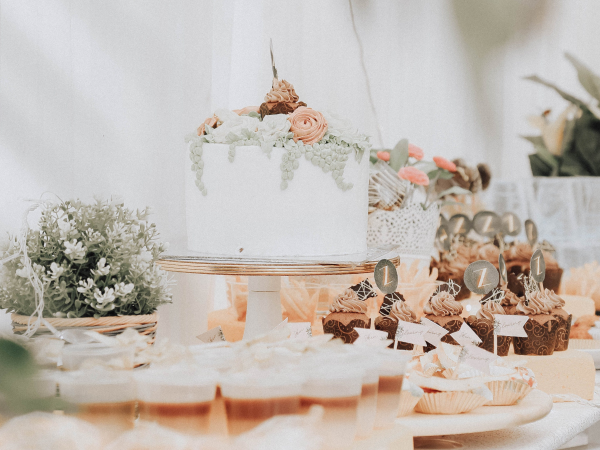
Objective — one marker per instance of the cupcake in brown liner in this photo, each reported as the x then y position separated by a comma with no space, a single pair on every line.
563,318
540,328
518,260
444,310
346,313
399,311
282,99
452,266
483,323
553,272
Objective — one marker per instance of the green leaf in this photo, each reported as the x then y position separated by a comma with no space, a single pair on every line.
588,79
399,155
535,140
539,168
568,136
560,92
585,149
425,166
445,175
454,190
433,174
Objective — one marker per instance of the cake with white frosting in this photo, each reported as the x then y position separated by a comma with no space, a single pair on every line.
278,180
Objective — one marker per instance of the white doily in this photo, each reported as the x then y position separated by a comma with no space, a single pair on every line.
410,228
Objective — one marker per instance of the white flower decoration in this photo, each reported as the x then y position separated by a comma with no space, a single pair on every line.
74,249
103,268
85,286
103,298
274,127
122,289
55,272
232,123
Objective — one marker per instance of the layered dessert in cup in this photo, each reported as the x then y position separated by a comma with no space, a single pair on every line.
103,397
255,396
337,388
392,368
179,398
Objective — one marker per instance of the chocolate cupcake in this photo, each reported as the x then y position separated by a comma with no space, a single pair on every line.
515,284
553,272
389,323
563,318
444,310
452,266
540,328
518,262
346,313
483,323
509,301
282,99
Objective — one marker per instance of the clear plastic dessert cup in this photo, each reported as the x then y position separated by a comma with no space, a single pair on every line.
337,388
391,367
103,397
180,398
367,404
252,398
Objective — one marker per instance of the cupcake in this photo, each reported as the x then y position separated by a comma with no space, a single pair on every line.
563,318
389,323
518,261
483,323
510,301
509,389
452,266
540,328
488,252
515,284
444,310
346,313
553,272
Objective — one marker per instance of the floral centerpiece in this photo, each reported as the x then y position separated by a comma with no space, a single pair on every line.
85,261
405,200
283,122
570,144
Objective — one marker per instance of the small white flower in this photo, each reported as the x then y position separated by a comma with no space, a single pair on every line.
23,273
122,289
232,123
108,296
274,127
103,268
85,286
74,249
55,271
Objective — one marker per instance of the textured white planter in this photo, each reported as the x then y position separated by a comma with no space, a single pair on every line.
410,228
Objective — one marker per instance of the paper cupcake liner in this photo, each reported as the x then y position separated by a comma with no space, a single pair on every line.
407,403
449,402
578,344
507,392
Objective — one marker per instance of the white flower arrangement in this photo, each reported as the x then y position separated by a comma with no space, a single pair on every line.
93,260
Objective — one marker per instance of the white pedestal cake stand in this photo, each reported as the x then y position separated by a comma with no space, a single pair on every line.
264,282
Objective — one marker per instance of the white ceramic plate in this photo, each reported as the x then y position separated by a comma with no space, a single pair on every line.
486,418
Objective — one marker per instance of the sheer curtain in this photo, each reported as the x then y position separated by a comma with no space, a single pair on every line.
96,97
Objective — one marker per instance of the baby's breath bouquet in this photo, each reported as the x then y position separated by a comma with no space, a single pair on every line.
93,260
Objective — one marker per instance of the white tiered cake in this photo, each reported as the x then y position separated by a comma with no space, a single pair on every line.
281,180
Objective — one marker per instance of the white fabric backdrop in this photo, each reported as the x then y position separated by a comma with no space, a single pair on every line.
95,97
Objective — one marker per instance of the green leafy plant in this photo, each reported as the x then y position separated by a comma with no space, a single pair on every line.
570,145
93,260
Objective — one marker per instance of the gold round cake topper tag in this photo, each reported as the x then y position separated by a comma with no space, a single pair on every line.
442,238
502,266
386,276
487,223
481,277
538,266
459,225
531,232
511,224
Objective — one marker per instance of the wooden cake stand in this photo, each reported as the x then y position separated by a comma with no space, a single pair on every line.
264,277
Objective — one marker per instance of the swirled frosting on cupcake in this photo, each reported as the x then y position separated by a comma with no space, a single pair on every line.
554,300
401,311
520,251
488,310
443,304
282,91
348,302
535,303
510,298
489,252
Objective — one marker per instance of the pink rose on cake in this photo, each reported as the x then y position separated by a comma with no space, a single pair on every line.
308,125
211,122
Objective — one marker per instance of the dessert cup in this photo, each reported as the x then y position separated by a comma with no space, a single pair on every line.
338,389
178,399
392,367
367,404
507,392
104,398
252,398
